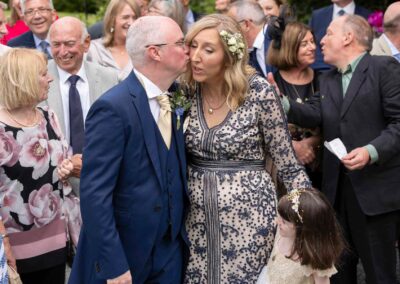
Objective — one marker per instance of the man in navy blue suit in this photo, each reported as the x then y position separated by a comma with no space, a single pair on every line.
321,18
38,15
133,188
252,21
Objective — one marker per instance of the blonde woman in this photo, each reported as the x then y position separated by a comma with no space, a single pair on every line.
235,121
110,50
32,202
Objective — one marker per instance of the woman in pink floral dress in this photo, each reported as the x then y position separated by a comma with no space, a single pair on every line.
34,204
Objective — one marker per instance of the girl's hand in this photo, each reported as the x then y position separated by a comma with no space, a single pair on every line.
64,170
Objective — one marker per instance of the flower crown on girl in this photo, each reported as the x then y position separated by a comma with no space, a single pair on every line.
294,198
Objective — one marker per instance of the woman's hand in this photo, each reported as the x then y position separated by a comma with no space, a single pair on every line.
70,167
304,152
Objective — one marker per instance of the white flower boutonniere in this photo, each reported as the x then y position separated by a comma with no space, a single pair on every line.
179,104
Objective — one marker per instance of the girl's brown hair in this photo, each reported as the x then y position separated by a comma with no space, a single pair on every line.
319,241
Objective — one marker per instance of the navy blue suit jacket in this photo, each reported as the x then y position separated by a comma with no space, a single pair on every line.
253,62
24,40
368,114
121,185
320,20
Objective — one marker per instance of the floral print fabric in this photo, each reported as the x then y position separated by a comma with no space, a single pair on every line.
31,194
231,222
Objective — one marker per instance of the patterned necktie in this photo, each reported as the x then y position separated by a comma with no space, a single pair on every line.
76,128
44,45
164,120
341,12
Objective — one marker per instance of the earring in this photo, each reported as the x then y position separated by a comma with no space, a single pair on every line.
111,30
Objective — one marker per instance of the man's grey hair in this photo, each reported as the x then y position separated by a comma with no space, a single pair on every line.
248,10
85,32
23,2
3,6
144,31
361,29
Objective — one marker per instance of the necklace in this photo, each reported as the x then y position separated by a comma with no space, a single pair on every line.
211,109
36,119
299,99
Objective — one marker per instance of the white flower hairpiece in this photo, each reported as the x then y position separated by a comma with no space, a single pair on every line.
294,198
234,42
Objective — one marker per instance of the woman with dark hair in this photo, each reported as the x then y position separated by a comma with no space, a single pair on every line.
292,51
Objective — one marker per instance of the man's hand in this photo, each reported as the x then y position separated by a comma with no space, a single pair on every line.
304,152
125,278
70,167
356,159
77,163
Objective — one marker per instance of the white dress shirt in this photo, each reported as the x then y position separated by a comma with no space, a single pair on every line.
152,92
83,88
259,44
348,9
38,41
393,49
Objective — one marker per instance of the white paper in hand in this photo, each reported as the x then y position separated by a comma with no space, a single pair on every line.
336,147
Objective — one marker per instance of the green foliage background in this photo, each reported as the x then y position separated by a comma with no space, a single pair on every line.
302,7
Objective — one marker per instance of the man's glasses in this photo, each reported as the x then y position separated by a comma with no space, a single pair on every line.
40,11
180,43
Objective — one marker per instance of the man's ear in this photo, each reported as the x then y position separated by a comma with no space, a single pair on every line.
348,38
154,53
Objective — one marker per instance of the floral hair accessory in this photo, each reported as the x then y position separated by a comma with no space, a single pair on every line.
294,198
234,42
375,19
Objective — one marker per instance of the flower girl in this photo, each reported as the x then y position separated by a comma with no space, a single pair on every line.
308,241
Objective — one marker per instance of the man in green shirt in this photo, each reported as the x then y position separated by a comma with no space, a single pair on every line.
359,102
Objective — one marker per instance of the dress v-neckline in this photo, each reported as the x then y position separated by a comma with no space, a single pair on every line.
203,118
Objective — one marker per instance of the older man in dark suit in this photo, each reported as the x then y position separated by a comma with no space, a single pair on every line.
321,18
359,102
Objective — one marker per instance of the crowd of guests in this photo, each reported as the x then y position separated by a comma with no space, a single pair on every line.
163,146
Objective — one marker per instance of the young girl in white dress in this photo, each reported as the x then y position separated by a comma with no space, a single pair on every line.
308,241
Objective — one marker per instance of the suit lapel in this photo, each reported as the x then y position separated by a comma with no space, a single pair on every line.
356,81
178,135
55,99
335,89
93,81
141,103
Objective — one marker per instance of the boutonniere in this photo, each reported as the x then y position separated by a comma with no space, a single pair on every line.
179,104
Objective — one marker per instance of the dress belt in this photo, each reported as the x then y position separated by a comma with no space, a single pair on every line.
227,165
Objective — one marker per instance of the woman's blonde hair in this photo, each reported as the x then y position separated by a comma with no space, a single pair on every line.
113,8
20,69
236,71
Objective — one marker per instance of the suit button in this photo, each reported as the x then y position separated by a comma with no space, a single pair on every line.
157,208
97,266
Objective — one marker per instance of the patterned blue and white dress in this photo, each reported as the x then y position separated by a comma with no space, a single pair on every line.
231,222
3,264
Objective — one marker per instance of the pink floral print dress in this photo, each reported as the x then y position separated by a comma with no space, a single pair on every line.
33,202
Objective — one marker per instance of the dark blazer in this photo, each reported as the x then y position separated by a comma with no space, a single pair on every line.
253,62
24,40
121,185
96,30
368,114
319,22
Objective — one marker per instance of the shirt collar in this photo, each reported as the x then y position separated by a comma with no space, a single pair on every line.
151,89
393,49
352,66
64,75
38,41
259,41
349,9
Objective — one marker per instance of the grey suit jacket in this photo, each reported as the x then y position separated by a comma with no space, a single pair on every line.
380,47
100,80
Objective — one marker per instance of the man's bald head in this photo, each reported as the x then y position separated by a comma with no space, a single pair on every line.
391,19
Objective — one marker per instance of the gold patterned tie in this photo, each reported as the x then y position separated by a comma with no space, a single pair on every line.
164,120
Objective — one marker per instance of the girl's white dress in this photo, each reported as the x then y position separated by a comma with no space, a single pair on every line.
282,270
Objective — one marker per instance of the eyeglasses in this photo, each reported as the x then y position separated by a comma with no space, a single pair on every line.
180,43
40,11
